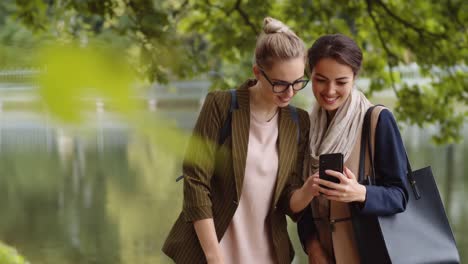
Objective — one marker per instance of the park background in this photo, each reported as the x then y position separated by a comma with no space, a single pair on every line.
98,97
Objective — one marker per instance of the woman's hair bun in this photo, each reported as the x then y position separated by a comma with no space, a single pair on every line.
271,26
272,47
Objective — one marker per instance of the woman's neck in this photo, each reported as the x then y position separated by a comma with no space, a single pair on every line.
259,105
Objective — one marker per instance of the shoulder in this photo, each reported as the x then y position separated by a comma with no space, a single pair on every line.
387,129
218,97
302,113
386,120
217,101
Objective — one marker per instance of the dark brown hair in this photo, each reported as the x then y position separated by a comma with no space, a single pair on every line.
339,47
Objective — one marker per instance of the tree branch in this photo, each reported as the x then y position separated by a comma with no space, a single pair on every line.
390,68
236,7
221,8
453,13
390,54
245,16
183,6
418,30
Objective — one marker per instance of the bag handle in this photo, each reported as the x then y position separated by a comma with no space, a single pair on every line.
366,140
362,157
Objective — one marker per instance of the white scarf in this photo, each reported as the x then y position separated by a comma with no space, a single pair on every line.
340,136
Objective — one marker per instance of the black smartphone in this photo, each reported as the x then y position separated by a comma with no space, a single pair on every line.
332,161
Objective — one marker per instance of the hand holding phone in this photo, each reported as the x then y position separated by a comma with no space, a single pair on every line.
332,161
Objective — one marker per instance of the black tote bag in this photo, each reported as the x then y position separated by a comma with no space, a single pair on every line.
420,234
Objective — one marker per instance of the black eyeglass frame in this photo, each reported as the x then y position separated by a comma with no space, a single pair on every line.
286,84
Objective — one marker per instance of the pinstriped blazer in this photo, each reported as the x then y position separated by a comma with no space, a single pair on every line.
214,175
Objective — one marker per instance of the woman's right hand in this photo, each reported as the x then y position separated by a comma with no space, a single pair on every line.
316,253
310,187
302,196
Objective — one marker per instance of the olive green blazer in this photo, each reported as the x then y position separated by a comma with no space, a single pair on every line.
214,175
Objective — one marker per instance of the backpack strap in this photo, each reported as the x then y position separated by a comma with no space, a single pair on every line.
295,118
225,130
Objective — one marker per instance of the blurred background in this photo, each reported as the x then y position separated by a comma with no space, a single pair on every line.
98,98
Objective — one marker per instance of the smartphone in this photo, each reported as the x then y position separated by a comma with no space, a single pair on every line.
332,161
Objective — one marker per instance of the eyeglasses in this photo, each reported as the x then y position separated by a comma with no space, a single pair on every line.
282,86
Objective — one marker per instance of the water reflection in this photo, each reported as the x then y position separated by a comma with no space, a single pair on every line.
108,195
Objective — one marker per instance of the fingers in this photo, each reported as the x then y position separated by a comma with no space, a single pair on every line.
347,190
335,195
348,173
336,174
333,191
329,192
311,186
326,183
311,179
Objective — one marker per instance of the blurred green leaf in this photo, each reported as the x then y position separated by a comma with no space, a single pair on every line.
9,255
73,74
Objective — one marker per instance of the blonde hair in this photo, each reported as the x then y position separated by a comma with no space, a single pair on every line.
277,42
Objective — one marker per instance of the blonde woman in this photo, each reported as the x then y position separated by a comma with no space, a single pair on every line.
235,202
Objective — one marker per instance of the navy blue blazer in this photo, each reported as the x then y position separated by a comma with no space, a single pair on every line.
391,193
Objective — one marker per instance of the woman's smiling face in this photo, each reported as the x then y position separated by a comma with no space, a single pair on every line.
331,83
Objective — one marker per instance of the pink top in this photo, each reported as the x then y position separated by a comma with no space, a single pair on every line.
247,239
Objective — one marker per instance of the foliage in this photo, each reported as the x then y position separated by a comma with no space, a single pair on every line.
93,73
168,39
9,255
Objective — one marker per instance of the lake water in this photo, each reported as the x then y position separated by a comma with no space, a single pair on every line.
106,194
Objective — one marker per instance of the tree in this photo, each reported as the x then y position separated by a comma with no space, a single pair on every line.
186,38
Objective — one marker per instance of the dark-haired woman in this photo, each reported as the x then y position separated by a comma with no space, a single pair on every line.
327,230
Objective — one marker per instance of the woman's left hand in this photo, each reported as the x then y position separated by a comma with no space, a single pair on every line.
348,190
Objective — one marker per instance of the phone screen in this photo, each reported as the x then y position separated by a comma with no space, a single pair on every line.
332,161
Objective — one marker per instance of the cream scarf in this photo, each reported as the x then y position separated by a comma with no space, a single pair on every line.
340,136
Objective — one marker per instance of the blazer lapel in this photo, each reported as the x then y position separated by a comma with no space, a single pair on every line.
240,136
287,137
